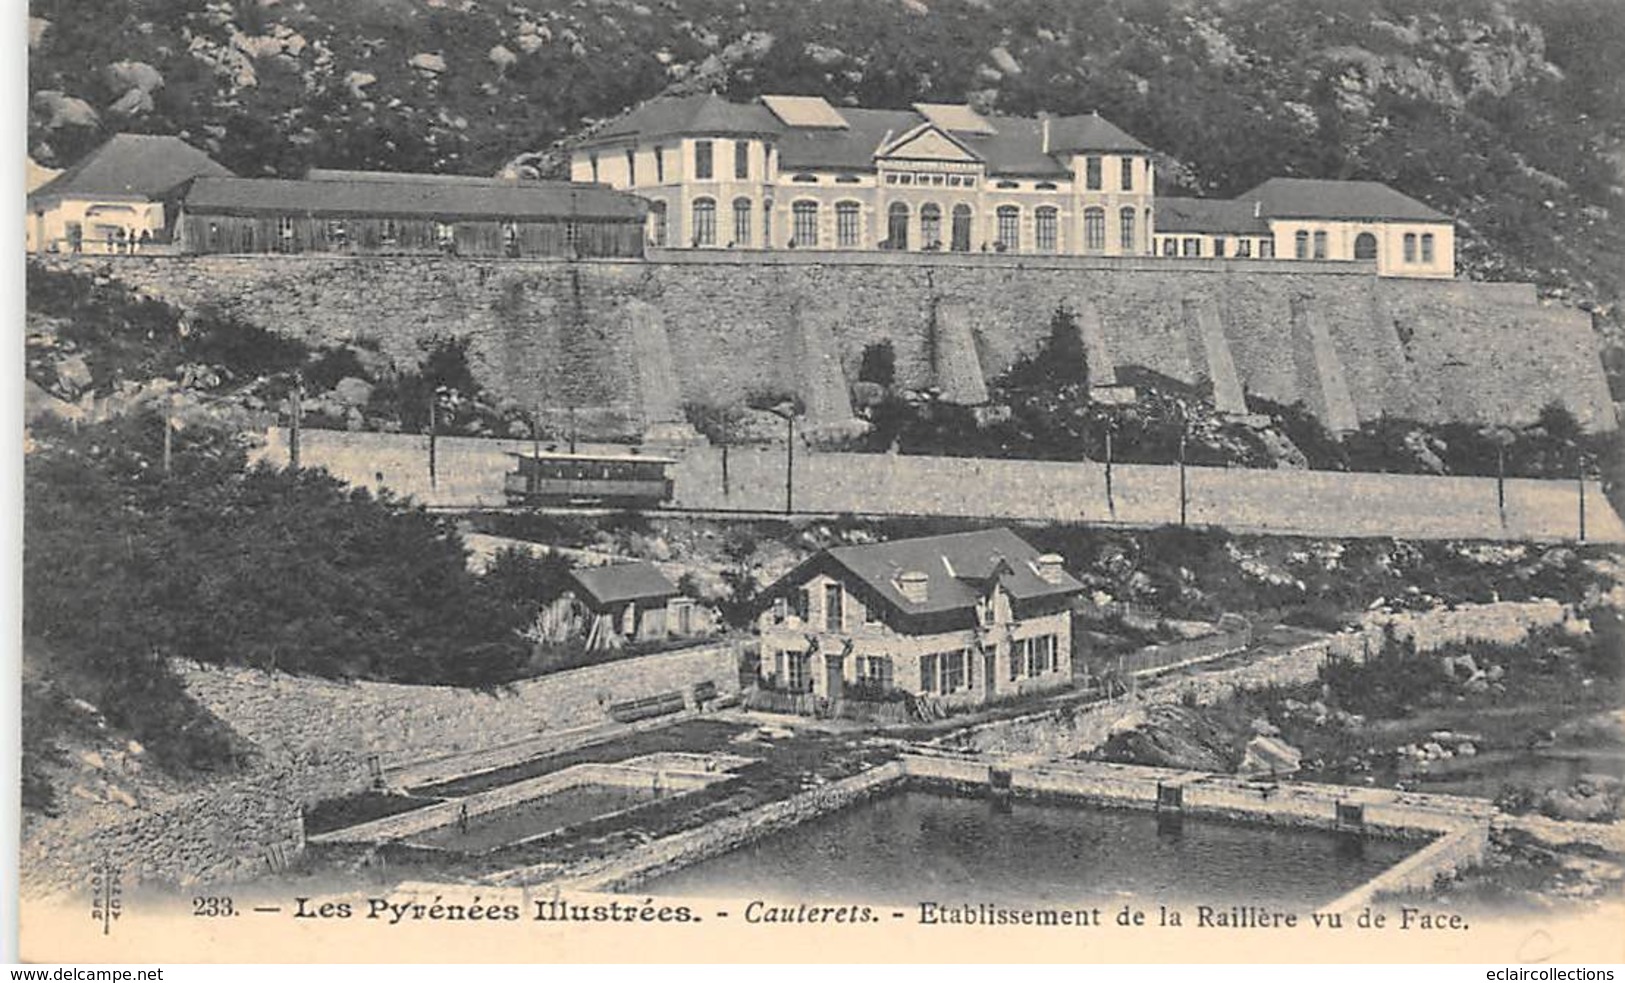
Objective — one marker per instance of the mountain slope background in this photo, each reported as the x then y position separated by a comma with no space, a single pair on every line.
1507,114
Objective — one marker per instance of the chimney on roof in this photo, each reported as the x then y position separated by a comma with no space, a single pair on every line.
1043,128
1258,209
914,586
1050,567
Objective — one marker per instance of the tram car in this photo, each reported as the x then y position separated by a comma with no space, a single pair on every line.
629,480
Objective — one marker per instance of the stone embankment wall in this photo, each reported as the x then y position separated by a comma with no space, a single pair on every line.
291,715
1069,731
636,338
1306,503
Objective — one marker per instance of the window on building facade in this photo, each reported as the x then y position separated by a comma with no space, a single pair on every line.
801,603
846,224
337,235
284,233
796,678
1365,246
631,167
510,238
897,226
1266,249
705,223
1300,245
1008,185
834,608
847,179
1427,247
928,673
592,160
804,178
930,227
742,221
954,672
1044,186
1041,655
805,229
1091,174
742,159
703,165
961,232
1009,226
1320,245
1125,229
1045,228
1244,248
1410,247
660,165
767,223
1128,173
875,670
1094,230
1170,246
1191,246
1220,244
657,218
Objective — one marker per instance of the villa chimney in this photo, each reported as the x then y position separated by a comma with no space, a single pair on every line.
1043,125
1050,567
1258,209
913,586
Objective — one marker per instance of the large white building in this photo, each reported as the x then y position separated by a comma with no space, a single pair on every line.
794,172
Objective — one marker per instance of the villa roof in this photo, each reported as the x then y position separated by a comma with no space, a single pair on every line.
1211,215
702,114
958,568
417,197
1291,197
623,583
134,164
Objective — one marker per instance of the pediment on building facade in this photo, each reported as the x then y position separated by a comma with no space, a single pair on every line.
927,142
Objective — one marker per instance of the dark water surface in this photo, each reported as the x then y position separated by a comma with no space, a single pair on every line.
916,845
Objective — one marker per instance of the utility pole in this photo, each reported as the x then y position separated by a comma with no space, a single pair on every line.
1111,503
1582,483
536,431
790,464
1184,426
296,417
572,428
434,421
169,439
1501,481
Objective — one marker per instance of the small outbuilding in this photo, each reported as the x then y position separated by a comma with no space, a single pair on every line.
624,603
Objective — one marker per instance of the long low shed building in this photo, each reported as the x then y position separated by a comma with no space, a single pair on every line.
373,213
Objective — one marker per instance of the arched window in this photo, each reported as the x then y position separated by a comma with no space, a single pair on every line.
742,221
1365,246
930,227
657,222
1009,226
847,218
1125,229
961,233
805,228
1300,245
897,226
1427,247
705,223
1094,229
1320,245
1045,222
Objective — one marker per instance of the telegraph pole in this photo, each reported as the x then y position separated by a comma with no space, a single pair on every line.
1582,482
296,415
1111,503
169,439
1184,426
790,465
434,406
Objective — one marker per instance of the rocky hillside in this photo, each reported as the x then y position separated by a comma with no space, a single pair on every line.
1508,114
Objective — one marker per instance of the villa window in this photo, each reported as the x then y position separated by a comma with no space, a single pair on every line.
657,212
1128,173
1244,248
1219,244
1365,246
805,214
1092,174
1170,246
660,165
592,161
1094,230
1192,247
1125,230
930,227
961,231
928,673
834,608
631,167
796,679
1045,228
1266,249
1009,225
742,221
1320,245
875,670
1300,245
1410,247
897,226
846,224
1427,247
703,170
802,601
742,159
1040,654
705,222
954,673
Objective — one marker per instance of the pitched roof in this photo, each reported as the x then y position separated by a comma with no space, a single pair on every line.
399,177
702,114
852,148
958,567
1090,132
1213,215
134,164
622,583
418,197
1292,197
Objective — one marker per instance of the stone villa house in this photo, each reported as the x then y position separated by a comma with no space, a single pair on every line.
794,172
962,618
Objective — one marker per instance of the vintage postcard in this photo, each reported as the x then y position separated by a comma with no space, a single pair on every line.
824,481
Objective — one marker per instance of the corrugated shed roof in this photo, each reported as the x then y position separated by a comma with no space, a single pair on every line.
1212,215
1291,197
450,199
623,583
134,164
700,115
